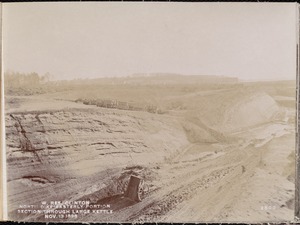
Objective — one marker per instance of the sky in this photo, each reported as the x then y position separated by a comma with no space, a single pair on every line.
251,41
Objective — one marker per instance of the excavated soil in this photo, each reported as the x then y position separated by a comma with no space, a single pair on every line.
228,161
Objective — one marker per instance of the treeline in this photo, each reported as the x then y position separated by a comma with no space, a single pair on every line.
16,83
16,79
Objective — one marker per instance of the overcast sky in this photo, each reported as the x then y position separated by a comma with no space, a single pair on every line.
71,40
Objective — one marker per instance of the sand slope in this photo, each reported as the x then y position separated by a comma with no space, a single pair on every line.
227,161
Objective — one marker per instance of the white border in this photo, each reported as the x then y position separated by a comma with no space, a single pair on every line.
4,176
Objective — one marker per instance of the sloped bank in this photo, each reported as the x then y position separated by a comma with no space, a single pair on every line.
47,150
215,118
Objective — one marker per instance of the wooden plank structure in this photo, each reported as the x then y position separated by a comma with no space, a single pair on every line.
133,189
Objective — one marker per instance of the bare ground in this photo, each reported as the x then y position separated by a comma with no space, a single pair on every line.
77,152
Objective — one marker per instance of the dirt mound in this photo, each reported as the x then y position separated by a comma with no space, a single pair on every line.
216,116
252,110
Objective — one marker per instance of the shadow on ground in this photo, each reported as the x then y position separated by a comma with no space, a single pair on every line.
116,202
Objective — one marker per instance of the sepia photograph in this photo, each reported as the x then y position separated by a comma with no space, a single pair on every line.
149,112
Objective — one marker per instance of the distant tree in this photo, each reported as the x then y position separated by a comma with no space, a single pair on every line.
16,79
45,78
33,79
